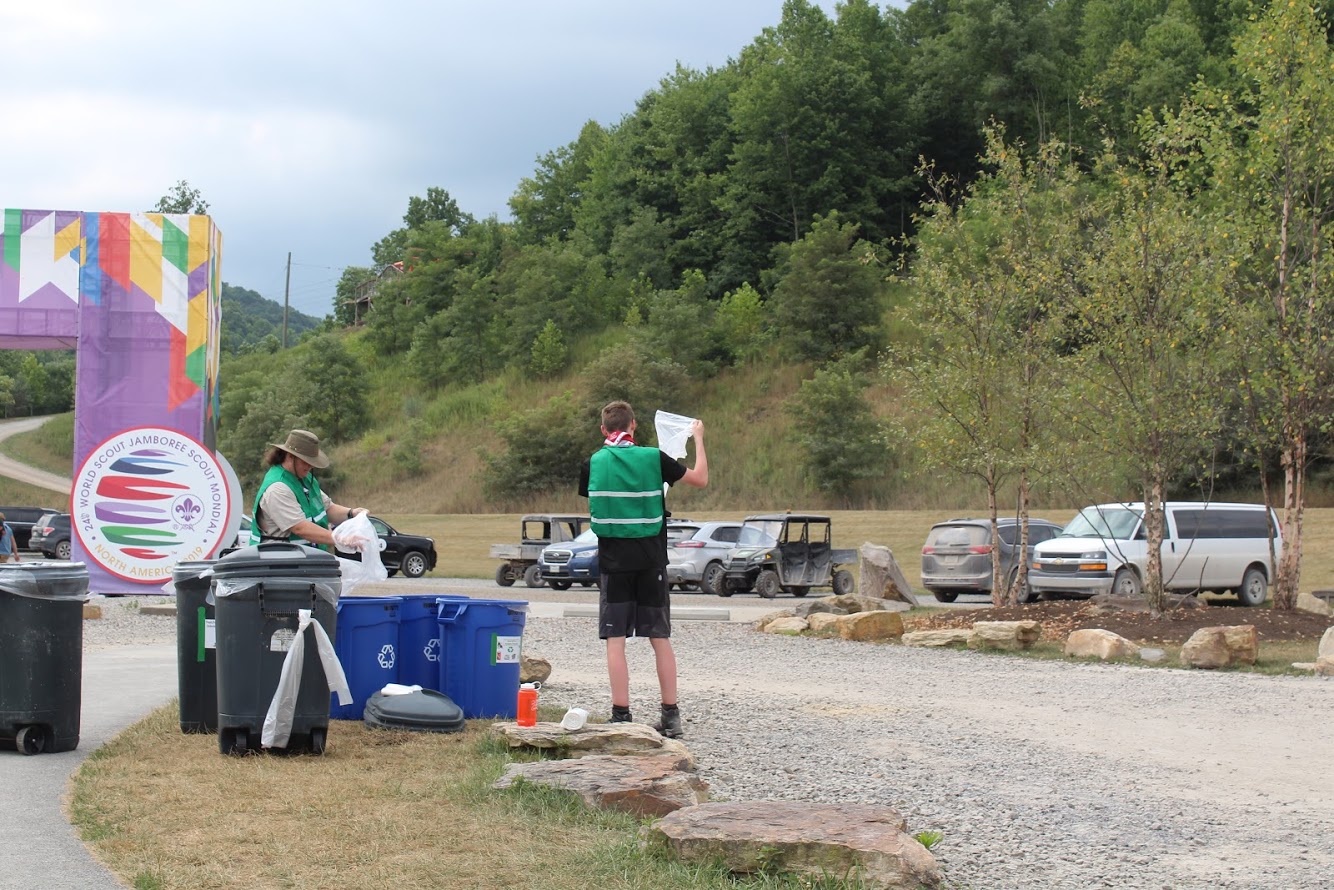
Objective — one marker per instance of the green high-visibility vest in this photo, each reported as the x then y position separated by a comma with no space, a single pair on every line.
625,492
308,498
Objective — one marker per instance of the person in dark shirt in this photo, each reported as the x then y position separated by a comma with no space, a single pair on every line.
624,484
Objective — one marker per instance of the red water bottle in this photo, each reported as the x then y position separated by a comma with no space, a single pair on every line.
527,715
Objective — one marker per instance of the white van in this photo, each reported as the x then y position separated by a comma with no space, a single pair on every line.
1207,547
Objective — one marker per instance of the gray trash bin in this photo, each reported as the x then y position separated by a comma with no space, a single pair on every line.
196,658
257,593
41,654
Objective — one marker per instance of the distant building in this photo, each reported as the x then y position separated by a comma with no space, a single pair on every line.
364,300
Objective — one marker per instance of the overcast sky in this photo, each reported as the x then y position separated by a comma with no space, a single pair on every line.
307,126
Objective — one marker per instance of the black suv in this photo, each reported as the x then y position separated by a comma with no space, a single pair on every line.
50,535
21,520
956,557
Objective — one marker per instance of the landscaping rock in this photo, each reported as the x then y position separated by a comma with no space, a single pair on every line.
626,739
867,626
92,610
763,621
881,577
533,670
848,604
791,625
1010,635
1324,666
821,621
641,786
1216,647
1309,602
954,636
1326,646
860,841
1097,643
1151,655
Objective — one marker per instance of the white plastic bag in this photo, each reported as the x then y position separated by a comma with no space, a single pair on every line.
357,535
673,432
278,721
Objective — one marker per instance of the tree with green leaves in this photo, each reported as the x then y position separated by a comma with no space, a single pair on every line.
549,352
1265,153
181,198
844,443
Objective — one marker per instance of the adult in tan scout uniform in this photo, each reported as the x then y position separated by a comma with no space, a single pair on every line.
289,505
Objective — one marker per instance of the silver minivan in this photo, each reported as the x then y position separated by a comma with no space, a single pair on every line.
1207,547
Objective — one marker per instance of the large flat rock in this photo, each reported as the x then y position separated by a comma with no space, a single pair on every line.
647,786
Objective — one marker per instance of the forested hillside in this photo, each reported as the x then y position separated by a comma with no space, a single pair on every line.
252,322
955,253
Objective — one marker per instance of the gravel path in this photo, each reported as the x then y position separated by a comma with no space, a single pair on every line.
1039,774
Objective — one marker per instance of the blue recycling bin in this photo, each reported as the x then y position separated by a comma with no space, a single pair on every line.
419,648
367,647
482,642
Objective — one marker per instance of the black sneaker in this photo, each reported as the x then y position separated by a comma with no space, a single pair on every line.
669,726
620,715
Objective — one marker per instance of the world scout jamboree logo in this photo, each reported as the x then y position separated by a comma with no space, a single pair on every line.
148,498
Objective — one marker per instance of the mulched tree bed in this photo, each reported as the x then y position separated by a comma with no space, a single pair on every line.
1060,617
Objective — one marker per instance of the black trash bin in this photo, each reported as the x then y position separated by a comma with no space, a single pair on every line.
41,654
257,593
196,650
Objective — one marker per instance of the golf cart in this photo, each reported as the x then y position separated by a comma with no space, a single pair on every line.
802,558
535,532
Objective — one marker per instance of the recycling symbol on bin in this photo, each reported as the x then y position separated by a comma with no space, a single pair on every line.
432,650
386,657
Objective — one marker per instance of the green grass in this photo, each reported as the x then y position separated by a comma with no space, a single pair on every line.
50,447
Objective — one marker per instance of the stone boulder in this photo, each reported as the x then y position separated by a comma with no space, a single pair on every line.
867,626
846,605
1309,602
641,786
812,839
792,625
621,739
952,636
1151,655
1326,646
821,621
1009,635
1216,647
533,670
881,577
763,621
1097,643
1324,666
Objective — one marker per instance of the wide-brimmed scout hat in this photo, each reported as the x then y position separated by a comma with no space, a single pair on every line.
305,445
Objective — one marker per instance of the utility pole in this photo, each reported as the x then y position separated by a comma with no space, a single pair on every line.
287,292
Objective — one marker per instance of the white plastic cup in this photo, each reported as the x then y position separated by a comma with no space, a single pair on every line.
574,718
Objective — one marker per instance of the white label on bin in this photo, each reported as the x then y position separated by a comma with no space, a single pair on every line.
282,638
505,650
210,633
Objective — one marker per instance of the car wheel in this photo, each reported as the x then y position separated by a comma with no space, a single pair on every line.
1126,583
587,584
1254,589
945,596
532,576
1024,595
414,564
713,579
766,585
503,576
319,739
799,591
844,583
63,551
560,585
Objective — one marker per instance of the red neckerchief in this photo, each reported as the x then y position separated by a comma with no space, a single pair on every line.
620,439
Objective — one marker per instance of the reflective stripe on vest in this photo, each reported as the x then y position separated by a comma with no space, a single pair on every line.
625,492
308,498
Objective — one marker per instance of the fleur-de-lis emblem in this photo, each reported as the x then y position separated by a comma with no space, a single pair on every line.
187,510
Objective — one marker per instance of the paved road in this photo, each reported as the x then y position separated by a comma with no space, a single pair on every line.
22,472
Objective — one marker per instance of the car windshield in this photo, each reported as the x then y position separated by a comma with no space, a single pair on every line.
1114,523
762,533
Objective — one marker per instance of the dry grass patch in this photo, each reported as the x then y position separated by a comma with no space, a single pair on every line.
380,809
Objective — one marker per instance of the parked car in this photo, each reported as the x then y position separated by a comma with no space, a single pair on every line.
697,557
413,555
1214,547
536,531
22,519
569,562
956,557
243,534
50,535
801,556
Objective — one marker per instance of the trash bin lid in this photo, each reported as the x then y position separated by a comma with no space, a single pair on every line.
190,569
45,580
277,559
422,711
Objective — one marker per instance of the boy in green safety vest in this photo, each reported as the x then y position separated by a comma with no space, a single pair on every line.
289,505
624,486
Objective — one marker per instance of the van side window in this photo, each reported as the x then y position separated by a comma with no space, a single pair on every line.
1190,524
